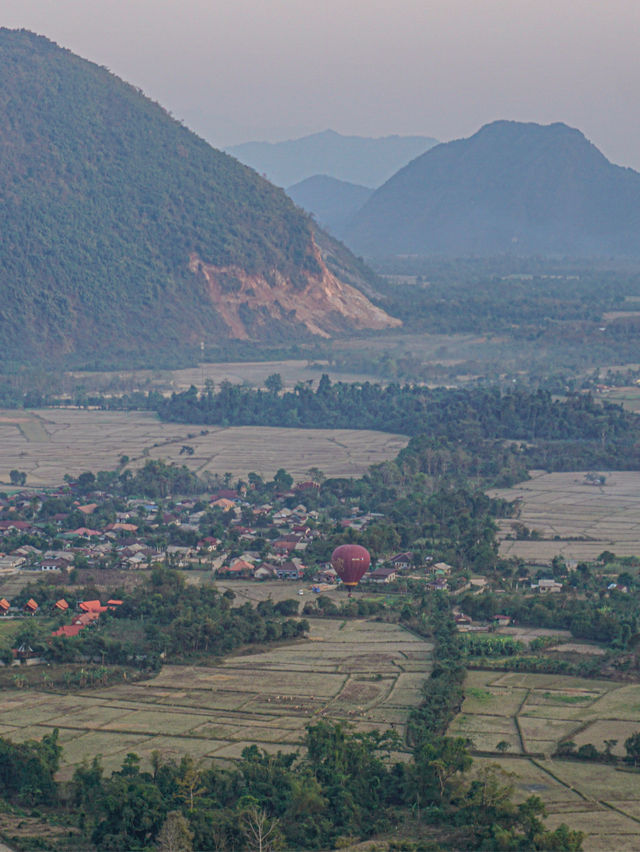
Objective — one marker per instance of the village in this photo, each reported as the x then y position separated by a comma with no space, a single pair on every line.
228,534
54,534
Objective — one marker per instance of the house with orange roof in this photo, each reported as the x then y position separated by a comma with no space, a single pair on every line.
4,606
224,504
238,568
68,630
61,605
31,607
85,618
91,606
122,527
89,509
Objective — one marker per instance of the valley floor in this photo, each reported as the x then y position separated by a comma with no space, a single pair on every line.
532,713
50,443
575,518
360,672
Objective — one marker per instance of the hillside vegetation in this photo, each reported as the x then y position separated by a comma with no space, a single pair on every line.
116,218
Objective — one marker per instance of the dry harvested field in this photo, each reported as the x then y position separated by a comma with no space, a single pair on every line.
251,373
627,397
532,713
365,673
280,590
47,444
566,506
434,348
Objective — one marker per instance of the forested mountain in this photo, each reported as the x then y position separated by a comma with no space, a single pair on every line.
333,202
356,159
522,189
123,234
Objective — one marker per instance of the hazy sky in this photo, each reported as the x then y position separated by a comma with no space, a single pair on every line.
236,70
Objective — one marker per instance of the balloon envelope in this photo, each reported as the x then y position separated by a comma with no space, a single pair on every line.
351,562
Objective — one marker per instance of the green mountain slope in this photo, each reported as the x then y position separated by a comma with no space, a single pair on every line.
122,231
515,188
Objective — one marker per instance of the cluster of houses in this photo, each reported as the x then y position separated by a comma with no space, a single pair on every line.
88,613
124,543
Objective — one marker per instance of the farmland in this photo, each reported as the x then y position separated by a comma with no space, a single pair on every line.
532,713
364,673
50,443
575,518
252,373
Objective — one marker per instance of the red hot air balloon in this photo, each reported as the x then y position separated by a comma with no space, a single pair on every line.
351,562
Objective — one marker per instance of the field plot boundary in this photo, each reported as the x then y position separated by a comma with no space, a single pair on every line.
601,799
216,711
49,443
576,519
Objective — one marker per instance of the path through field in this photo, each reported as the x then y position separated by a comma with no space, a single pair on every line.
361,672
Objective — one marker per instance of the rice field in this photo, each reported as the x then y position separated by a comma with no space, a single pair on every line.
532,713
349,671
50,443
575,518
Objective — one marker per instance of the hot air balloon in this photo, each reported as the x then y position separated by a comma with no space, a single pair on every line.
351,562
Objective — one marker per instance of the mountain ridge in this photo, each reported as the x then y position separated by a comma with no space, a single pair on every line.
511,187
332,202
106,199
364,160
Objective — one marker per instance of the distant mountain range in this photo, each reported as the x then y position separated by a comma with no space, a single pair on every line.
333,202
123,234
355,159
524,189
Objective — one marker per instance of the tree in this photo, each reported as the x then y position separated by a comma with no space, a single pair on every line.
263,833
273,383
632,747
316,475
17,477
452,757
283,480
609,745
190,782
175,835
